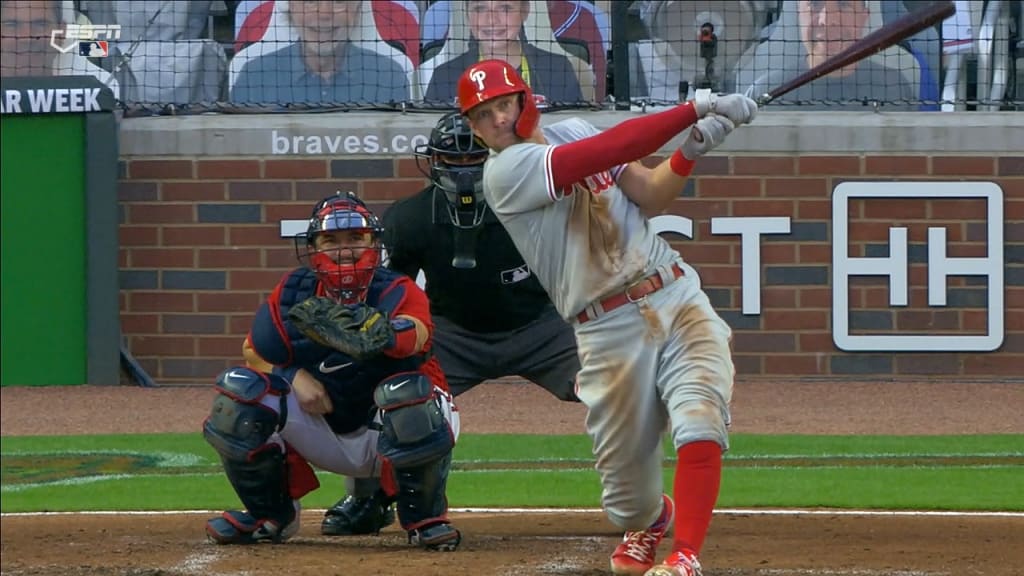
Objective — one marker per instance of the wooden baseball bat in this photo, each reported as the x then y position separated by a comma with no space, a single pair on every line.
873,43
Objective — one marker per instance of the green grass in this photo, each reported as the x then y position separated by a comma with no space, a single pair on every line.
180,471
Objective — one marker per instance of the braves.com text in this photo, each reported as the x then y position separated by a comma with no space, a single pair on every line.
341,144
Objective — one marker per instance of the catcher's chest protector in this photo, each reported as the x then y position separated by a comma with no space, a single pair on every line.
351,388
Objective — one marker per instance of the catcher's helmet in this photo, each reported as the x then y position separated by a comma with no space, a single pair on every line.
490,79
456,160
345,271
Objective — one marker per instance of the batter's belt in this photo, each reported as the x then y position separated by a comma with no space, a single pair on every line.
633,293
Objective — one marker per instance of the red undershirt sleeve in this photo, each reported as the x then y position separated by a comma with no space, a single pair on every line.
625,142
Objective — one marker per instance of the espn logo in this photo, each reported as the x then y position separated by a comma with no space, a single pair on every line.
87,38
939,267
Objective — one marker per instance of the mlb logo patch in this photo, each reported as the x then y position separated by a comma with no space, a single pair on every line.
94,48
515,275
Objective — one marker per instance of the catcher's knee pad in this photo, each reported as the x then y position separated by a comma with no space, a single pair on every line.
414,431
239,428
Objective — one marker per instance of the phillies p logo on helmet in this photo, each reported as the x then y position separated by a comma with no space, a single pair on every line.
478,76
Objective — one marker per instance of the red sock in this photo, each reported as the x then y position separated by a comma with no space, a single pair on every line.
698,477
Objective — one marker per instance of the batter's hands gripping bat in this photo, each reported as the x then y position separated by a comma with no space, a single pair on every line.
873,43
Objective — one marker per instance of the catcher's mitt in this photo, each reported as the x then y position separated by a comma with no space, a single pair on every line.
359,331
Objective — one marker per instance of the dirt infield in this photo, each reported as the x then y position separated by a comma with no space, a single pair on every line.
517,544
741,544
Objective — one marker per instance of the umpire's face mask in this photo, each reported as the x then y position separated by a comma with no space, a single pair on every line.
464,191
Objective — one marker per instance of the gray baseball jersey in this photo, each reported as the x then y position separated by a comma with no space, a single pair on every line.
581,247
662,361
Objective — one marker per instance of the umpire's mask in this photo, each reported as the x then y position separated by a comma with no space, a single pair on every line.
456,160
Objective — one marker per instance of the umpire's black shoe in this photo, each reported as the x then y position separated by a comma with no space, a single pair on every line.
352,516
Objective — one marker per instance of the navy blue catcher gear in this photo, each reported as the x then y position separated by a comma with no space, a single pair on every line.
418,440
239,427
414,430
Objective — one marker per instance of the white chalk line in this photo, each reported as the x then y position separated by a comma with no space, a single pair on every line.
474,510
95,479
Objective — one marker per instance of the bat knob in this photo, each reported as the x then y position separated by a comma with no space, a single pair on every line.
764,99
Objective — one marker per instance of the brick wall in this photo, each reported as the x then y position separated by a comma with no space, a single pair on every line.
200,249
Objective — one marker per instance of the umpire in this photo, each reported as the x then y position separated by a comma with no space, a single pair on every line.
492,318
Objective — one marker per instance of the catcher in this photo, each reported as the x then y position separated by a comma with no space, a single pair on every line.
347,384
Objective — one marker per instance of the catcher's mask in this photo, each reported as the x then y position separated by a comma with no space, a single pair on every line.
342,246
490,79
456,160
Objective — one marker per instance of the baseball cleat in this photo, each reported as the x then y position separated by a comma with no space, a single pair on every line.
441,537
635,555
353,516
677,564
240,527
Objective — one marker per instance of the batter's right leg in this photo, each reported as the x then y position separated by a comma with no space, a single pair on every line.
240,428
626,420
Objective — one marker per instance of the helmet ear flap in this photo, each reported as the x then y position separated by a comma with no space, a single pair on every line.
529,115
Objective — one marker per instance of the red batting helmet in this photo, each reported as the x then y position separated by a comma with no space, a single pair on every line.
490,79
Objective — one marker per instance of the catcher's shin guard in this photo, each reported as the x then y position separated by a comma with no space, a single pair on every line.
238,428
417,439
423,505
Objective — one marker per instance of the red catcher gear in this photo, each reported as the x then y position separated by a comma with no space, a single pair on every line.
490,79
347,280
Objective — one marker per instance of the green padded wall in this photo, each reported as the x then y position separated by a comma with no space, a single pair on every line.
44,250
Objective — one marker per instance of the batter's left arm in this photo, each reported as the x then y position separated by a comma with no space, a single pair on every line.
652,189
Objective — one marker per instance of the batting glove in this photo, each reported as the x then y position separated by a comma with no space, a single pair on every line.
705,135
737,107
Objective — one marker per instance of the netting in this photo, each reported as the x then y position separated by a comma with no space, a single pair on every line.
272,55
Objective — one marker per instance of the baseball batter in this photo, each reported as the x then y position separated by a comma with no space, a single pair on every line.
654,353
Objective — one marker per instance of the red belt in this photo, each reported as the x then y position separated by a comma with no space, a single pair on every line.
634,292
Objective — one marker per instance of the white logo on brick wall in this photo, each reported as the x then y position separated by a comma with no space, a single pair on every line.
895,267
